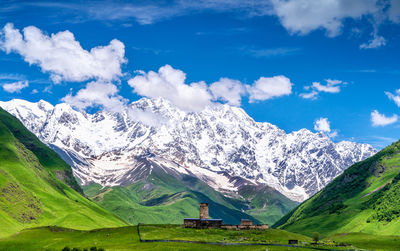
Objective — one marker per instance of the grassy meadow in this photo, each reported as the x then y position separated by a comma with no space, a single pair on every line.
126,238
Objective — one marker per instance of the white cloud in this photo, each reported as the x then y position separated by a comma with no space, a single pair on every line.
394,97
267,88
169,83
304,16
332,86
378,119
228,90
34,91
62,56
310,95
48,89
15,86
97,94
12,77
323,125
376,42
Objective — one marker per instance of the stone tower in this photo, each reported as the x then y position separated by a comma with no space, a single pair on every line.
203,210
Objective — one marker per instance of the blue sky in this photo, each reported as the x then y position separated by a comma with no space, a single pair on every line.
331,66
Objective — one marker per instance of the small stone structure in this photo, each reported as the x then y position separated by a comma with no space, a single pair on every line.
203,222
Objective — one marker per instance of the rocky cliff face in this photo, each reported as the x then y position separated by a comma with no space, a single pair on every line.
221,145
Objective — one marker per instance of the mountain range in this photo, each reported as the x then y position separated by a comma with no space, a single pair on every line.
152,155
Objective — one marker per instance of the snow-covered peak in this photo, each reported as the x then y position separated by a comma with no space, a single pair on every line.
216,145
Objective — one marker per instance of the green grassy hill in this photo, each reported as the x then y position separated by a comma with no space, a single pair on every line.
365,198
37,187
166,198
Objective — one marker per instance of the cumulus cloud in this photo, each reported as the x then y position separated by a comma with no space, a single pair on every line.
379,119
62,56
169,83
97,94
331,86
15,86
395,97
228,90
268,88
323,125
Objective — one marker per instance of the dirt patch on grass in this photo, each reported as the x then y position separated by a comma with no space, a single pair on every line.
376,190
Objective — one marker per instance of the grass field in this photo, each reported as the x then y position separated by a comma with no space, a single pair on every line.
368,241
126,238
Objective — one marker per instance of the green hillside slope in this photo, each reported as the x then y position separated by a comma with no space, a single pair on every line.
163,197
365,198
31,193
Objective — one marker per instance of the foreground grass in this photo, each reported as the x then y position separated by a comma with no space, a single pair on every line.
126,238
368,241
174,232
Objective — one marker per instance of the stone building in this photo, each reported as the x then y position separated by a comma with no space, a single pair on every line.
203,222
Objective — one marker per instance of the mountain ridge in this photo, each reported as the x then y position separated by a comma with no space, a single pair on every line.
215,145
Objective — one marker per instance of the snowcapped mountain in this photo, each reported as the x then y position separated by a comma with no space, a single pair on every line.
221,145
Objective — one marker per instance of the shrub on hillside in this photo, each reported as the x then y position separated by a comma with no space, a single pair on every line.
315,236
